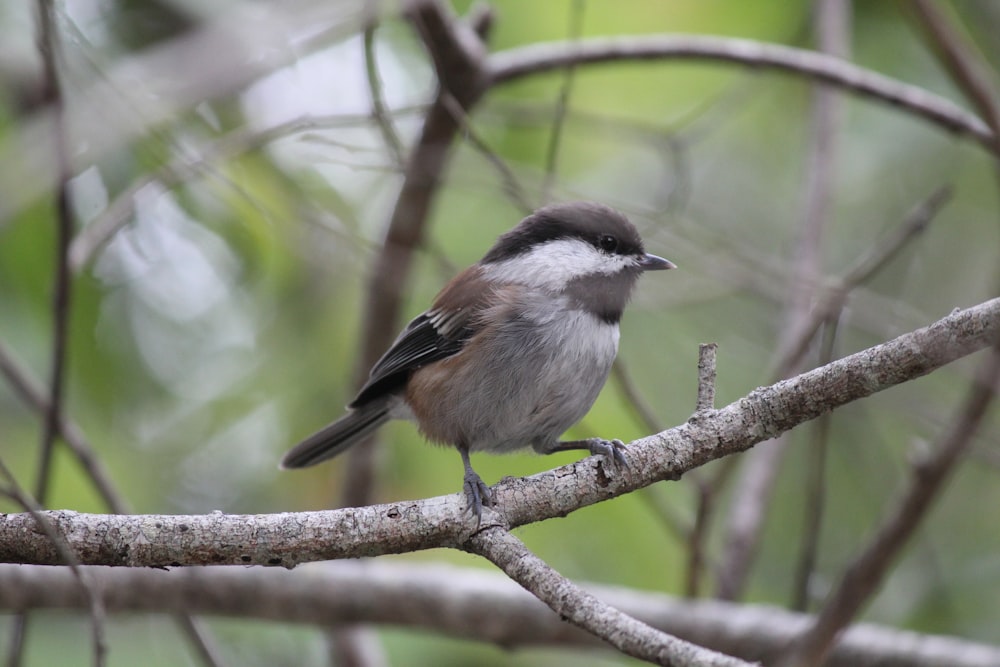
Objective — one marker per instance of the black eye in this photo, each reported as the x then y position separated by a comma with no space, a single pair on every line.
607,243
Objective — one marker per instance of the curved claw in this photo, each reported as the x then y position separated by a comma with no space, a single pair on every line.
478,494
475,488
612,450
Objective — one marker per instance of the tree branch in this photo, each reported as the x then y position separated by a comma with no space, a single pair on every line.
545,57
628,635
450,600
965,67
292,538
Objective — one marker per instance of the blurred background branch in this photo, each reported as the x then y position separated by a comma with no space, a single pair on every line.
448,600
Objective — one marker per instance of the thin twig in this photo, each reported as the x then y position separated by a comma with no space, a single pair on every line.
706,376
704,508
48,44
831,25
48,47
511,185
66,556
814,491
200,638
633,400
706,489
544,57
747,510
31,394
562,105
379,113
965,65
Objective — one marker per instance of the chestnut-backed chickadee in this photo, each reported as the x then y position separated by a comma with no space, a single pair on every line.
513,351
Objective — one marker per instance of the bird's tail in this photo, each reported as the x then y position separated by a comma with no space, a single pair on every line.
336,437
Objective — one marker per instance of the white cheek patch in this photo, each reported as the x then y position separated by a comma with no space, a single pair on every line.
551,265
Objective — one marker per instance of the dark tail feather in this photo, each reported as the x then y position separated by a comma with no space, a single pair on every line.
336,437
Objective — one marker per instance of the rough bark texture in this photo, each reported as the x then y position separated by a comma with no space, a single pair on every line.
288,539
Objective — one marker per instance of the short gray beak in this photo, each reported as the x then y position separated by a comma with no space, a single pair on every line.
654,263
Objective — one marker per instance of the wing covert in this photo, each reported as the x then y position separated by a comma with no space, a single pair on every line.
433,335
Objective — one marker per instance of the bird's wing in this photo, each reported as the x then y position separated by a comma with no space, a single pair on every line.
435,334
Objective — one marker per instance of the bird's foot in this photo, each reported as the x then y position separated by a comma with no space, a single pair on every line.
477,493
612,450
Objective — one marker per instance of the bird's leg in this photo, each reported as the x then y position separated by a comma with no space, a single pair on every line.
475,488
613,451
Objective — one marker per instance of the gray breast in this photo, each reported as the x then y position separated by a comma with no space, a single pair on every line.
543,377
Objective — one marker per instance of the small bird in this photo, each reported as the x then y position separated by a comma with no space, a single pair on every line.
513,351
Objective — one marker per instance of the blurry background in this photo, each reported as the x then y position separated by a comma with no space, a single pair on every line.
231,190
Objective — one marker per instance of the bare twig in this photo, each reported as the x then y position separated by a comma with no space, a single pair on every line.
66,556
865,574
200,638
831,25
511,185
692,532
706,376
48,44
48,47
747,510
965,66
31,393
705,503
628,635
544,57
633,399
562,105
706,489
379,112
814,491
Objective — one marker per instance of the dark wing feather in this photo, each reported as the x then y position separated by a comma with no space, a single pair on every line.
435,334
